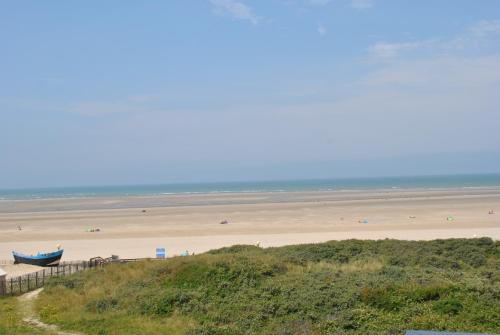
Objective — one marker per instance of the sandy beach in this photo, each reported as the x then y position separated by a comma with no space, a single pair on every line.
135,226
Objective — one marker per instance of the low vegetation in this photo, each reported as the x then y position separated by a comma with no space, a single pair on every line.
346,287
11,319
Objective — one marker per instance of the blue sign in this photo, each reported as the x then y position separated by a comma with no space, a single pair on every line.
160,253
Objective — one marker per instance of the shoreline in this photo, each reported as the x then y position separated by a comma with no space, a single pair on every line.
35,205
122,196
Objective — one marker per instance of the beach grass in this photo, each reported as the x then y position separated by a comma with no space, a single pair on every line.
11,319
342,287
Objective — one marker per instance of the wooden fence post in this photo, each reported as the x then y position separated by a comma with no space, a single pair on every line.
3,283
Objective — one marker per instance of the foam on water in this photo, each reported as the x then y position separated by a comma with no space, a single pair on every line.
390,183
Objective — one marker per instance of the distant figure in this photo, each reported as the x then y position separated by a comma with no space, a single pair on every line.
224,222
491,211
58,247
19,228
257,244
144,211
412,217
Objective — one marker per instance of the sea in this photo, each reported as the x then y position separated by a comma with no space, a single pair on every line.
407,182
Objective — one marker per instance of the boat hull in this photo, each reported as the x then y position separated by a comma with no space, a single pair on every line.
50,259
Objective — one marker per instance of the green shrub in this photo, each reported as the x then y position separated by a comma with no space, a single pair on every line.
476,259
448,306
428,292
384,298
73,282
101,305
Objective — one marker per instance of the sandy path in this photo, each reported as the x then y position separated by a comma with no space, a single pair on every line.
27,311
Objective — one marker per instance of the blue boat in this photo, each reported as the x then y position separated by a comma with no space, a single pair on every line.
40,259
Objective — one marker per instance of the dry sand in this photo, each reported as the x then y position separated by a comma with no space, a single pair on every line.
14,270
192,222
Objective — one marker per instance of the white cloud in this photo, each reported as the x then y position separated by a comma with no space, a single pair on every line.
321,30
235,9
361,4
439,72
431,105
383,50
474,38
445,88
485,27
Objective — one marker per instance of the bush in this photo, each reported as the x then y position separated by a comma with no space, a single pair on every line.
72,282
427,293
449,306
384,298
476,259
101,305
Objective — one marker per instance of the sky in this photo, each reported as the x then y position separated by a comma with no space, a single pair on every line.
140,92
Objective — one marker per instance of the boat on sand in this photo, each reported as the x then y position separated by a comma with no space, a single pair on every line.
40,259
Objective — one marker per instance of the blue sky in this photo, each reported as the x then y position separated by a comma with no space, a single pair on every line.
131,92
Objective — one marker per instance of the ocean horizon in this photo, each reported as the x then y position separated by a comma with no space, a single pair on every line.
298,185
